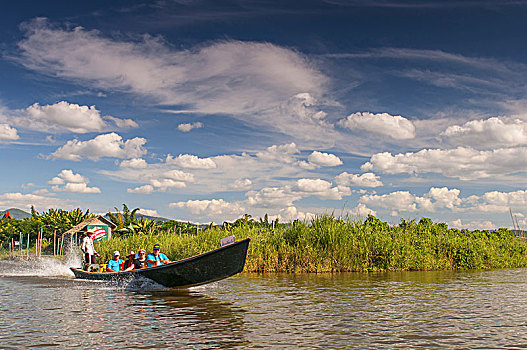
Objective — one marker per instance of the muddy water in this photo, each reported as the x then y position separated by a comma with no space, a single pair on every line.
47,308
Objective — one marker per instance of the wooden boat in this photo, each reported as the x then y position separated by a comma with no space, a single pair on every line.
200,269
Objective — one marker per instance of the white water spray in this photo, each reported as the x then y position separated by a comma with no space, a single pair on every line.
44,266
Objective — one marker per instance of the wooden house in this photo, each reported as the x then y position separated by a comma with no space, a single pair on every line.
101,227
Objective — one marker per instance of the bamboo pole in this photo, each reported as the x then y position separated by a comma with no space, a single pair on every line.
20,245
40,244
27,252
62,245
54,244
13,246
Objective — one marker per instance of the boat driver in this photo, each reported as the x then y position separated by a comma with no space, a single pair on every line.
88,250
156,258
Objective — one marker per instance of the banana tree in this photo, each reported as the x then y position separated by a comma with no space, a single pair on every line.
123,219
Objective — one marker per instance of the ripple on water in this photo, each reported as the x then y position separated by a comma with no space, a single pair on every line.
420,310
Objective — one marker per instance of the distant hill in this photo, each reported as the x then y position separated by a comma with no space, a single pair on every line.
16,213
155,218
144,217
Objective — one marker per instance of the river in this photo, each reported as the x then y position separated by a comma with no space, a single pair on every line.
44,307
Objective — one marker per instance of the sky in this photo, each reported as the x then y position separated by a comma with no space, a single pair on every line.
204,111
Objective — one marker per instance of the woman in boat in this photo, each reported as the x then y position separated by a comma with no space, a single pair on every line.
140,262
114,265
129,263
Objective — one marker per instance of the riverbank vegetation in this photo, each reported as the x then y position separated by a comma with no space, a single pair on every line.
331,244
324,244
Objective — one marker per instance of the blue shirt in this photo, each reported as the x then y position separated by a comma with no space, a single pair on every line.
114,265
151,256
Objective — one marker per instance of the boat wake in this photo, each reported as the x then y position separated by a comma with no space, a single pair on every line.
41,267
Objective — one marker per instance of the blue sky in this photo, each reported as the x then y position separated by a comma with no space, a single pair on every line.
207,110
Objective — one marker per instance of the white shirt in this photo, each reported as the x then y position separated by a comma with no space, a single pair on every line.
87,245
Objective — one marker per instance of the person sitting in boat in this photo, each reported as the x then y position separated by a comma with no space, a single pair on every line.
129,263
156,258
140,262
88,250
114,265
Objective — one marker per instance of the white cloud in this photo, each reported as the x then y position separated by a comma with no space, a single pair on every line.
269,197
396,127
148,212
292,213
179,175
25,201
313,185
64,115
500,202
439,199
71,187
321,159
210,207
73,183
399,200
473,225
364,180
230,77
279,153
361,211
68,176
321,188
436,199
135,163
56,181
122,123
146,189
301,117
191,162
285,196
462,162
242,184
186,127
8,133
489,133
165,184
105,145
260,84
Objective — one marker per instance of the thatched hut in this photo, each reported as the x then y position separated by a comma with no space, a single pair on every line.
98,224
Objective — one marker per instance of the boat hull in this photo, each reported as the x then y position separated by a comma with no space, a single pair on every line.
200,269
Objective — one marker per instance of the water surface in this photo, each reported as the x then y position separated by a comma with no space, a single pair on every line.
47,308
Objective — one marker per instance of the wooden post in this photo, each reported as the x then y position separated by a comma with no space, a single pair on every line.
62,245
20,245
40,242
54,243
13,246
27,253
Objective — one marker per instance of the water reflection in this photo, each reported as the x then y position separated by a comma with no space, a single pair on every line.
399,310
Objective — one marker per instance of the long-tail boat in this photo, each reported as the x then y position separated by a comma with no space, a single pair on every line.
204,268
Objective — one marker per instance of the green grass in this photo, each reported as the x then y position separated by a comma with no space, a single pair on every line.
331,244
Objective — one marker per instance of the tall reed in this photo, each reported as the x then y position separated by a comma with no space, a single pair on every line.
329,243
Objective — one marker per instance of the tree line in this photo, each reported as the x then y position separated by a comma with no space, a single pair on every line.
128,222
